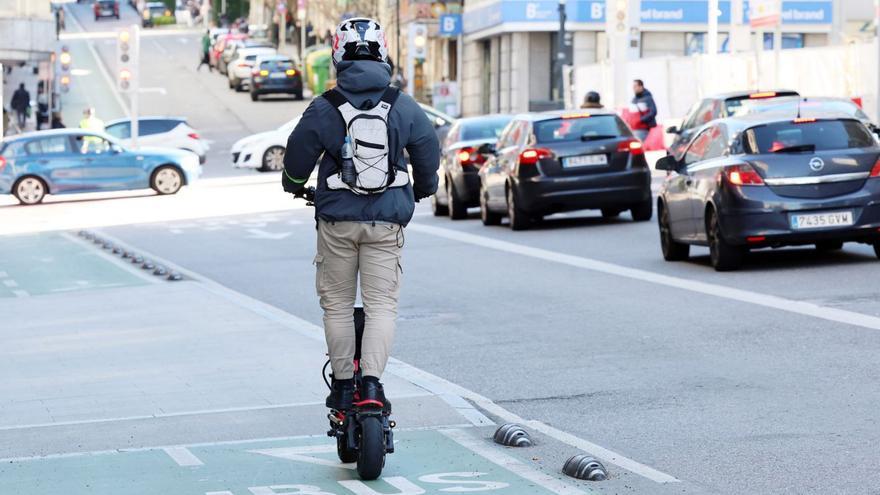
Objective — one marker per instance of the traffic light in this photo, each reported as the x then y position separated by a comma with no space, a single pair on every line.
126,58
418,41
65,83
65,59
618,16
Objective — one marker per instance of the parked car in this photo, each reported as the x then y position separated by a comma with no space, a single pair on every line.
232,49
719,107
263,151
769,180
153,11
460,163
218,48
275,74
164,132
64,161
441,121
557,161
238,72
106,8
844,106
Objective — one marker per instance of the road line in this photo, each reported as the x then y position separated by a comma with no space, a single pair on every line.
115,260
510,463
756,298
182,456
416,376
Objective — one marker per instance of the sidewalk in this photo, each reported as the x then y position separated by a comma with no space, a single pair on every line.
127,383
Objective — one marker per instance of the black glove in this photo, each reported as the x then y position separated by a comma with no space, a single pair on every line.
418,194
291,186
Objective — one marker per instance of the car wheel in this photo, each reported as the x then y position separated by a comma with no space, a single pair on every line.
30,190
273,159
827,246
457,209
166,179
672,249
255,96
609,213
519,220
229,83
486,215
877,248
438,209
642,212
724,256
298,96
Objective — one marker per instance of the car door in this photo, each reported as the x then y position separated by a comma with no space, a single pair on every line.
509,148
704,175
679,189
491,178
53,159
106,166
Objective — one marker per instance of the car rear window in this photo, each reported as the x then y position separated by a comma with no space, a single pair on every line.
573,129
484,128
809,135
809,106
156,126
742,105
276,65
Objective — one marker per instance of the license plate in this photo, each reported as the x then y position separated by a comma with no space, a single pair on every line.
585,161
277,75
822,220
107,12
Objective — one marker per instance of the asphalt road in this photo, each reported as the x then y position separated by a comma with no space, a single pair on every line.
757,381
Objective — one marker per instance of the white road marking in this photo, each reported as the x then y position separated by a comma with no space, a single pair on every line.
421,378
756,298
510,463
301,454
10,283
262,234
182,456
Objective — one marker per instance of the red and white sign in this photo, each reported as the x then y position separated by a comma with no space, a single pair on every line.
765,13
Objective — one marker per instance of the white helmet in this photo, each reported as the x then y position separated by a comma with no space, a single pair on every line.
359,39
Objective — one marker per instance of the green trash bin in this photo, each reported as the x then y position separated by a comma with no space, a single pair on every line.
318,69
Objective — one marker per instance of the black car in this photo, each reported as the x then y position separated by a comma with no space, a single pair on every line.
460,163
551,162
106,8
771,180
275,74
719,107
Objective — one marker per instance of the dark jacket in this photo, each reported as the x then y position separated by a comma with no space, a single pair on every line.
21,100
322,130
649,116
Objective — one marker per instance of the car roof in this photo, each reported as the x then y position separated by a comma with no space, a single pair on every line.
141,119
742,122
480,118
26,136
556,114
156,4
746,93
445,116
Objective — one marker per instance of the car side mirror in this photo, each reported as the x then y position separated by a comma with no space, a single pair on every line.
487,149
668,163
673,130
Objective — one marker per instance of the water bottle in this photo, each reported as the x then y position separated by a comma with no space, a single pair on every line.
349,174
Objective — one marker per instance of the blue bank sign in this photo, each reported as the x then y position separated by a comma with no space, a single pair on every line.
653,12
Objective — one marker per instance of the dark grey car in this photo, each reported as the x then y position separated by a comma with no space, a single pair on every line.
768,180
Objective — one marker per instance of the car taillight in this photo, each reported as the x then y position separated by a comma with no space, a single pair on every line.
3,163
255,72
470,156
244,64
531,156
743,175
290,72
875,172
193,135
632,146
264,73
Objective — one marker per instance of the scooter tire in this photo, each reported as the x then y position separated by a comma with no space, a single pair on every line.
345,454
371,455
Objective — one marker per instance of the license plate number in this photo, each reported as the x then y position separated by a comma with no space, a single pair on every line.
585,161
107,12
822,220
277,75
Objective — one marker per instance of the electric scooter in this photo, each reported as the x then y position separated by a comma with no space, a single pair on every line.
363,433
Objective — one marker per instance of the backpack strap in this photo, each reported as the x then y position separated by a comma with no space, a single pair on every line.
390,95
334,97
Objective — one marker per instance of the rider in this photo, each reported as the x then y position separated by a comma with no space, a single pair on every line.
360,233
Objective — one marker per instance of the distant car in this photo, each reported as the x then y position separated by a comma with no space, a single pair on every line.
238,72
64,161
234,47
719,107
770,180
106,8
558,161
263,151
153,11
441,121
460,163
163,132
223,42
275,74
844,106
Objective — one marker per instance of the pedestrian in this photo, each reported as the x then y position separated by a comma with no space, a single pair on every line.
364,199
643,105
592,100
21,103
206,52
90,122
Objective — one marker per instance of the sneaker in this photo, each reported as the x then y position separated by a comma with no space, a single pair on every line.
341,395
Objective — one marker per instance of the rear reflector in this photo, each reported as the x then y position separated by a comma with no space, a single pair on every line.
632,146
756,238
193,135
875,172
765,94
531,156
743,175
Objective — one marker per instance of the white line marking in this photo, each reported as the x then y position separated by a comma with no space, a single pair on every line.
116,260
20,293
421,378
510,463
301,454
756,298
182,456
10,283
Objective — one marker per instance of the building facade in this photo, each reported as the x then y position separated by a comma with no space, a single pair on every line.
27,31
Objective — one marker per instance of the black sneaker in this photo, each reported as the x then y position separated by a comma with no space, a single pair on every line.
341,395
373,394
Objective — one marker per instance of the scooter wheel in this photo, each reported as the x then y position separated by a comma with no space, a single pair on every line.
345,454
371,456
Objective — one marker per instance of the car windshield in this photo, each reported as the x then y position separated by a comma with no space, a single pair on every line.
484,128
573,129
806,136
276,65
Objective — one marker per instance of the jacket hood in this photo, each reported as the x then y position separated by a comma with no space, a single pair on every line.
362,80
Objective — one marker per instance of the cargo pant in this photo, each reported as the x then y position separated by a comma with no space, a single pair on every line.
346,250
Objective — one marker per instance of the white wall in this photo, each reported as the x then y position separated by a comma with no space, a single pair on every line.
660,44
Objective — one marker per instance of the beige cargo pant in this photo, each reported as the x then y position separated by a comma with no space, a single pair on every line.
346,249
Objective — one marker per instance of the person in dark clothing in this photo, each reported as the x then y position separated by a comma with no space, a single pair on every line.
360,234
21,101
206,52
592,100
643,103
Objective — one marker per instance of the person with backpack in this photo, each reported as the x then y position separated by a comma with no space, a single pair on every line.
364,199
